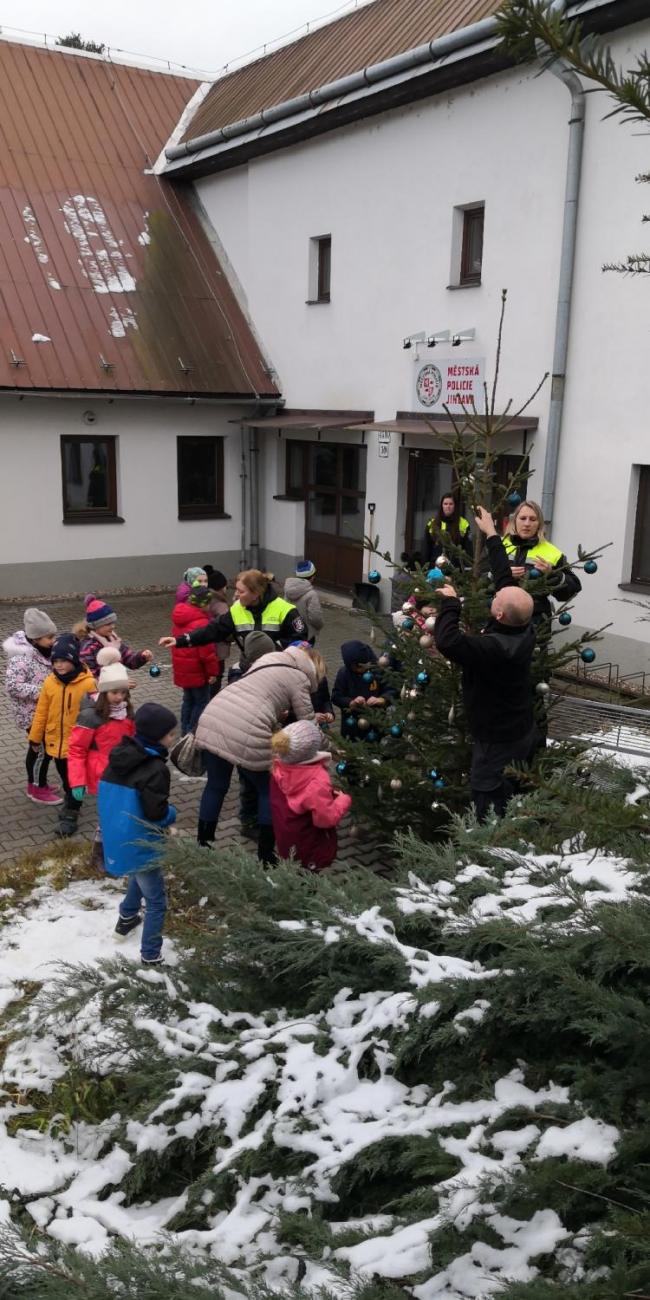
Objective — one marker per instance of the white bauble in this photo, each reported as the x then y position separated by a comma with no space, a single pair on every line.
414,692
396,784
384,661
426,640
430,622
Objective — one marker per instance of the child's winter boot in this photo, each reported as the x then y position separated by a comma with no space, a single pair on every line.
68,822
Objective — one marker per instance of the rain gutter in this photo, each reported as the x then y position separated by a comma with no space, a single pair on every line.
311,102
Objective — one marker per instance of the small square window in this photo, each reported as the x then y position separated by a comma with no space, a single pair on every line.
641,553
471,254
200,478
320,269
89,479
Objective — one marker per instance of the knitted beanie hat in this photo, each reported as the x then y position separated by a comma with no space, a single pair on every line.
153,721
98,613
304,742
37,623
67,647
192,575
305,569
258,644
113,675
216,579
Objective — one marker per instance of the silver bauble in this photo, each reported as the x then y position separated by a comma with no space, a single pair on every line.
396,784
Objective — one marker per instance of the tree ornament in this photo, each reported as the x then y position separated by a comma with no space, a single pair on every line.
350,721
514,499
396,784
374,576
155,671
396,730
435,805
588,655
414,692
372,734
426,640
591,566
542,688
367,677
342,767
407,607
534,573
407,624
411,717
433,774
439,784
442,561
384,661
423,678
430,622
363,724
435,575
564,618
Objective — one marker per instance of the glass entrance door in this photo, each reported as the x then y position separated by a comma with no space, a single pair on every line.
334,531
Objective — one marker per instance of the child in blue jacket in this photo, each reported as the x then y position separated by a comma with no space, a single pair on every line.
134,808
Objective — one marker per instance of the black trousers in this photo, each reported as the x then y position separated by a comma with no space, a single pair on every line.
491,789
37,763
61,765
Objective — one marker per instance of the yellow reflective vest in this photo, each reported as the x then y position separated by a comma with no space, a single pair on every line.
271,620
541,550
441,527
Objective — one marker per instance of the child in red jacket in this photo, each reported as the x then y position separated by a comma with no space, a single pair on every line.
305,808
103,721
196,668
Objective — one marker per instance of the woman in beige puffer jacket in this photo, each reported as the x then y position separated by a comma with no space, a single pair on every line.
236,727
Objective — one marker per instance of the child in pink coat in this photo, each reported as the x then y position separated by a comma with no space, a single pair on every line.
304,805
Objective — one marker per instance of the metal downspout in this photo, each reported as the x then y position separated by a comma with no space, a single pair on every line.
565,287
243,562
253,457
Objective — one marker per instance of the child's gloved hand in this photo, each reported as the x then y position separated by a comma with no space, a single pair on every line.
78,792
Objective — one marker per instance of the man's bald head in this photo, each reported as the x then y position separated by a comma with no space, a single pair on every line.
512,606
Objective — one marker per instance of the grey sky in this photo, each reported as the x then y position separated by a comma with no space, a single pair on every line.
203,34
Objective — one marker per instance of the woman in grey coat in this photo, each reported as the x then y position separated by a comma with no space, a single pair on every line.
236,727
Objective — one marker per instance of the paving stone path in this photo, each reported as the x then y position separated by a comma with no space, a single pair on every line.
142,619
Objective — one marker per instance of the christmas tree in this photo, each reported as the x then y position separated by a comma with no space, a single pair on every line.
407,764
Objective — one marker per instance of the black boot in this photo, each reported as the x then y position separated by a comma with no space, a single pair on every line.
68,821
206,833
266,846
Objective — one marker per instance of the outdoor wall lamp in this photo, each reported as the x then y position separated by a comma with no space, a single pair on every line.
465,336
413,338
442,336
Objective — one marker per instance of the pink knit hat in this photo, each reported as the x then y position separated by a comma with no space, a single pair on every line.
98,613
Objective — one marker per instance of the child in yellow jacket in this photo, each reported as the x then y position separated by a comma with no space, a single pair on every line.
56,712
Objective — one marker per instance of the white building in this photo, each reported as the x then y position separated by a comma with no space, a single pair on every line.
380,179
385,176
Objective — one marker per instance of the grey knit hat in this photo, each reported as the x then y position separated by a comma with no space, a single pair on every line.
304,742
37,623
257,644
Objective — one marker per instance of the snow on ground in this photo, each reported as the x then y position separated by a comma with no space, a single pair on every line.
325,1109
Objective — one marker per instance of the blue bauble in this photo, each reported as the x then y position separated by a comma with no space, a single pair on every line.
433,774
396,730
342,768
372,734
350,721
564,618
591,566
407,624
368,677
423,679
534,573
588,655
513,499
439,784
154,671
435,575
374,576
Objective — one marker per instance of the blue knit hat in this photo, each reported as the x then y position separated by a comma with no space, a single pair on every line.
305,569
98,613
67,646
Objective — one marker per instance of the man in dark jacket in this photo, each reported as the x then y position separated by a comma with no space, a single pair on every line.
134,809
497,690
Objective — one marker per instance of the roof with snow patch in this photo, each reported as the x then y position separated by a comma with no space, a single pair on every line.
107,280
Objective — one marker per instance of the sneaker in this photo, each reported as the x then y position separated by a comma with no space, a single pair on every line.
126,924
152,961
43,794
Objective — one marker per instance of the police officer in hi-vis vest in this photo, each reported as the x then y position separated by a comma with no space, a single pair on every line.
257,608
529,551
447,525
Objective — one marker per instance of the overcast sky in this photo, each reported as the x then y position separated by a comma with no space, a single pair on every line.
203,34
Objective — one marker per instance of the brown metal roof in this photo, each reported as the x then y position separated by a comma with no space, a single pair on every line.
97,258
365,36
